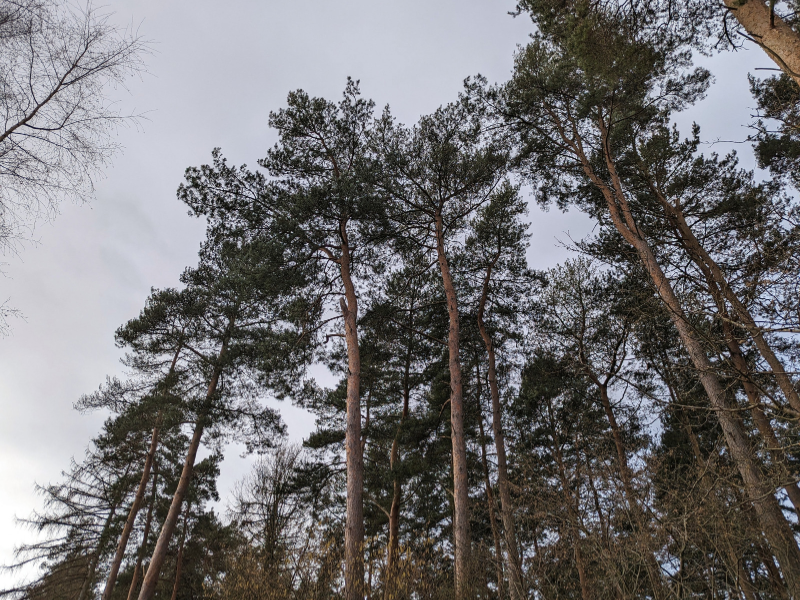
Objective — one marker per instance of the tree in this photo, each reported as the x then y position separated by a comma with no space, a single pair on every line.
580,314
58,62
237,328
709,26
575,110
495,250
438,174
324,194
319,203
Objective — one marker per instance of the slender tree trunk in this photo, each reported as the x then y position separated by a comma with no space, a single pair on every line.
774,524
95,558
720,289
651,563
354,518
743,581
137,501
713,272
506,505
179,559
596,499
489,493
171,522
776,529
126,531
572,510
137,570
768,30
460,482
761,420
775,579
394,459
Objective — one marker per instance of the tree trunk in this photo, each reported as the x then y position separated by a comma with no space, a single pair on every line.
506,506
713,272
179,559
759,418
394,459
354,518
489,493
126,531
776,529
719,289
651,563
171,522
572,511
95,558
773,34
137,570
460,482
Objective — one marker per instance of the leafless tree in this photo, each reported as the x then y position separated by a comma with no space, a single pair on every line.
58,62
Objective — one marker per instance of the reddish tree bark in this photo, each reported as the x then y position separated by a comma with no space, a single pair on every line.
768,30
354,519
460,482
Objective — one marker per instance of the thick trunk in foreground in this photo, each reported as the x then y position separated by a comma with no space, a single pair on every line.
126,531
354,518
506,506
768,30
137,570
460,482
171,522
776,529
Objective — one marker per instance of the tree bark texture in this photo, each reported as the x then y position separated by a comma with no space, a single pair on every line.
773,34
460,482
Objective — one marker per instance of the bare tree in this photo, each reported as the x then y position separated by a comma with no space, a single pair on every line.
58,63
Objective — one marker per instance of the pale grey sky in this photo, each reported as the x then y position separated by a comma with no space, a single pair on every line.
217,71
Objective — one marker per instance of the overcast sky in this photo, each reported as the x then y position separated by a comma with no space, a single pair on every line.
216,72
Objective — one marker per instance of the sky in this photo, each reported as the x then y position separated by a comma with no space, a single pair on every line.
215,72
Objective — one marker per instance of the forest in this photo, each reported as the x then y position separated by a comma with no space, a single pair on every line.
625,425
